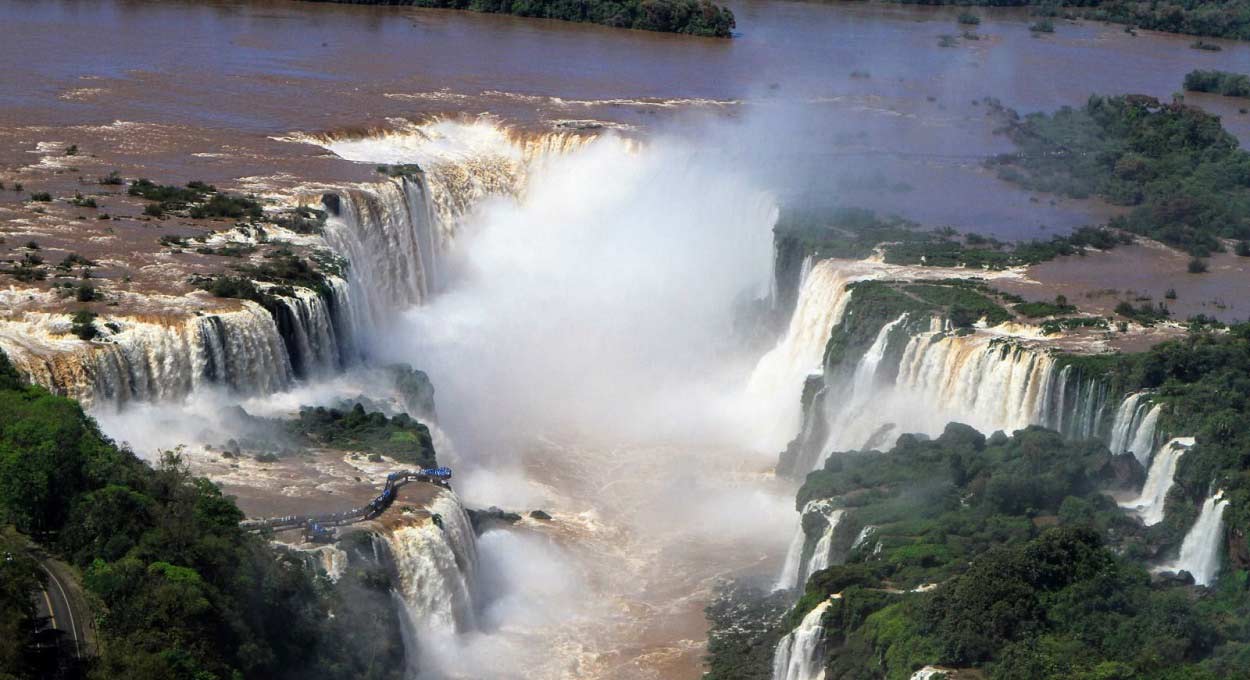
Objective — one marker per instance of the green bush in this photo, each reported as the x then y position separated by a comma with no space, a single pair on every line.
693,17
1218,82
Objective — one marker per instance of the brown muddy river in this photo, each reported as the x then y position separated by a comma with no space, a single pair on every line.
218,79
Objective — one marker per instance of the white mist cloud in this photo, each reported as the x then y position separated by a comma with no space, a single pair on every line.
601,300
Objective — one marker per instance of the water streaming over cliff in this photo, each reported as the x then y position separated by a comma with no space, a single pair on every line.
1200,552
436,560
778,377
317,337
157,359
800,562
1127,416
800,654
1149,504
397,232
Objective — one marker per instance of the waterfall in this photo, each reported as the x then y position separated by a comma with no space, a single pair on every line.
822,554
799,563
779,375
800,655
387,233
310,332
1143,438
436,560
1123,426
150,358
1200,551
866,370
991,384
1076,406
1149,505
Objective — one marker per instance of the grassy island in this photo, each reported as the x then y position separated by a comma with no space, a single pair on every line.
691,17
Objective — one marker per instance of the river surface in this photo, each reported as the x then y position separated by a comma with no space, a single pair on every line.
858,102
888,117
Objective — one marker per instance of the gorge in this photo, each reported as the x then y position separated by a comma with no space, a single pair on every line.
747,366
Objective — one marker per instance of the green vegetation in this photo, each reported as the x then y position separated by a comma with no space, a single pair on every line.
854,233
227,206
1204,45
199,199
83,324
692,17
1202,380
1019,553
1218,82
1197,265
968,18
83,201
112,179
1211,18
964,305
1184,176
41,196
1145,313
400,437
302,220
1044,25
180,590
1040,309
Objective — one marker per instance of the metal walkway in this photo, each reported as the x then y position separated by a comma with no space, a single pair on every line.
319,526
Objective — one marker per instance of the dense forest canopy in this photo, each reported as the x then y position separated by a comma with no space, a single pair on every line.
1185,178
692,17
1001,554
181,591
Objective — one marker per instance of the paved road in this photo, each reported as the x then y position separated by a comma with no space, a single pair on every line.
62,601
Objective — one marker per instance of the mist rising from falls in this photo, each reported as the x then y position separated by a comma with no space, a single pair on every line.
564,306
1149,504
1201,549
150,360
397,233
800,654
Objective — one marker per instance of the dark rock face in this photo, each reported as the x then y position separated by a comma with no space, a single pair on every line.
1181,577
415,390
1122,472
333,203
539,514
485,519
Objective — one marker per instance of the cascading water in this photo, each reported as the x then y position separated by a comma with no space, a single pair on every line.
1142,442
394,233
139,360
1126,417
800,563
436,561
800,655
387,233
309,328
822,554
779,375
992,384
1200,551
866,370
1149,505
